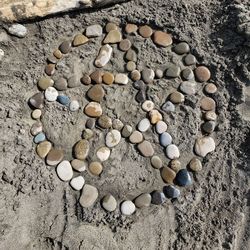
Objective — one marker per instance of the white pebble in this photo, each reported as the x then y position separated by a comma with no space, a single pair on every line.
36,114
148,106
74,105
121,79
103,56
161,127
127,207
172,152
113,138
18,30
51,94
144,125
103,153
64,171
77,182
204,145
1,55
94,30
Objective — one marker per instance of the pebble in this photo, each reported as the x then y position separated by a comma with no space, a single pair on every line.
125,45
143,125
190,59
111,26
187,74
36,128
65,47
158,197
81,149
117,124
155,116
103,56
173,71
89,196
90,123
131,66
39,138
143,200
36,114
131,28
73,82
140,96
45,82
85,79
148,75
103,153
1,55
37,100
177,97
161,127
171,192
127,207
202,74
162,38
79,165
159,73
96,93
74,105
58,54
52,59
139,85
195,165
61,84
168,175
51,94
165,139
121,78
127,131
148,105
108,78
93,109
54,156
188,88
77,183
43,148
181,48
172,151
208,126
183,178
210,88
95,168
175,165
50,69
131,55
94,30
210,116
18,30
146,149
105,121
88,134
80,40
109,203
135,75
114,36
113,138
145,31
156,162
168,107
96,76
64,171
136,137
207,104
204,145
63,99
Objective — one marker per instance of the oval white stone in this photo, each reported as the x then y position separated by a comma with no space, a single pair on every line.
204,145
172,152
113,138
144,125
161,127
103,153
51,94
64,171
127,207
77,182
121,78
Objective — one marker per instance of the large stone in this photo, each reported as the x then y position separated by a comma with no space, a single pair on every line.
88,196
204,145
103,56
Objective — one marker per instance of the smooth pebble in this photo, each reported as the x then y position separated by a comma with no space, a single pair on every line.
51,94
113,138
64,171
77,183
172,151
89,196
127,207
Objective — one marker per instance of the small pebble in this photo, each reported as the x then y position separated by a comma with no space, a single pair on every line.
36,114
148,75
103,153
143,200
94,30
187,74
175,165
18,30
52,59
210,116
64,171
130,28
165,139
96,76
156,162
204,145
113,138
136,137
54,157
79,165
172,151
190,59
45,82
207,104
58,54
50,69
105,121
210,88
171,192
161,127
126,131
183,178
51,94
155,116
43,148
135,75
131,55
74,105
146,149
131,66
148,106
111,26
125,45
109,203
85,79
95,168
117,124
93,109
139,85
173,71
108,78
121,79
208,126
36,128
168,175
80,40
145,31
158,197
188,88
168,107
63,99
73,82
90,123
181,48
140,96
114,36
81,149
195,165
65,47
162,38
177,97
61,84
127,207
87,134
1,55
104,56
202,74
96,93
144,125
159,73
39,138
89,196
77,183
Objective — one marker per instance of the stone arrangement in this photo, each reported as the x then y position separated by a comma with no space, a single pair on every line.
52,91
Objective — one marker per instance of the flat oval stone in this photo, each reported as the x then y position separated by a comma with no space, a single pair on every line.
131,28
131,55
204,145
145,31
135,75
148,105
190,59
105,121
85,79
117,124
54,156
96,76
81,149
37,100
80,39
158,197
79,165
77,183
168,175
155,116
125,45
188,88
195,165
165,139
61,84
74,105
90,123
127,207
89,196
171,192
36,114
63,99
43,148
144,125
131,66
108,78
111,26
146,149
96,93
187,74
143,200
64,171
36,128
95,168
183,178
208,126
94,30
210,116
50,69
45,82
109,203
93,109
65,47
162,38
39,138
121,78
172,151
173,71
207,103
136,137
148,75
51,94
103,56
103,153
73,82
202,74
177,97
113,138
114,36
126,131
161,127
156,162
175,165
87,134
168,107
181,48
210,88
58,54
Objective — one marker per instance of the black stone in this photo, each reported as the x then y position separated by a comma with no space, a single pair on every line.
208,126
140,96
183,178
171,192
158,197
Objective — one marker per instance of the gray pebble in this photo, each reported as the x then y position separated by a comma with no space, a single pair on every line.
173,71
143,200
188,88
17,30
187,74
148,75
208,126
90,123
61,84
131,55
168,107
190,59
65,47
127,131
158,73
158,197
139,84
182,48
140,96
73,82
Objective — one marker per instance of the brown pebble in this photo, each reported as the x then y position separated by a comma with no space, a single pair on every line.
202,74
86,80
124,45
65,47
168,175
93,109
108,78
131,28
175,165
50,69
54,156
96,76
95,168
52,59
104,121
210,88
195,165
80,39
61,84
111,26
45,82
162,38
37,100
207,104
146,149
145,31
131,55
135,75
58,54
177,97
43,148
96,93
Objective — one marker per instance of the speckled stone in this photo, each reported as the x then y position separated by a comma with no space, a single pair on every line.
64,171
202,74
210,88
165,139
58,54
183,178
162,38
39,138
131,55
126,131
148,105
130,66
77,183
63,99
168,175
104,56
175,165
74,105
117,124
93,109
143,200
96,76
103,153
156,162
85,79
65,47
61,84
207,104
94,30
187,74
127,207
54,156
109,203
50,69
108,78
90,123
36,114
37,100
177,97
181,48
145,31
81,149
155,116
111,26
96,93
204,145
125,45
158,197
43,148
173,71
105,121
135,75
143,125
79,165
112,138
121,78
136,137
95,168
89,196
190,59
210,116
114,36
171,192
161,127
195,165
87,134
131,28
148,75
146,149
45,82
80,39
188,88
73,82
36,128
208,126
168,107
172,152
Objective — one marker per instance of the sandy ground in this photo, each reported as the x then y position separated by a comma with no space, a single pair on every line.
37,211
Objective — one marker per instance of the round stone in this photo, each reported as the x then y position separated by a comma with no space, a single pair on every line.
114,36
80,39
159,73
183,178
81,149
127,207
177,97
74,105
195,165
124,45
146,149
93,109
144,125
210,88
50,69
162,38
95,168
173,71
113,138
108,78
58,54
117,124
143,200
45,82
111,26
187,74
148,105
175,165
158,197
85,79
188,88
96,93
161,127
73,82
130,28
64,171
171,192
104,121
156,162
168,175
96,76
39,138
131,66
208,126
155,116
77,183
165,139
103,153
181,48
79,165
145,31
148,75
190,59
89,196
43,148
109,203
207,104
51,94
90,123
36,128
136,137
52,59
61,84
65,47
36,114
63,99
202,74
168,107
54,156
121,78
87,134
126,131
172,151
37,100
210,116
135,75
204,145
131,55
94,30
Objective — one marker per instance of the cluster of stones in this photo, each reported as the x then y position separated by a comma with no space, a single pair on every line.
51,91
